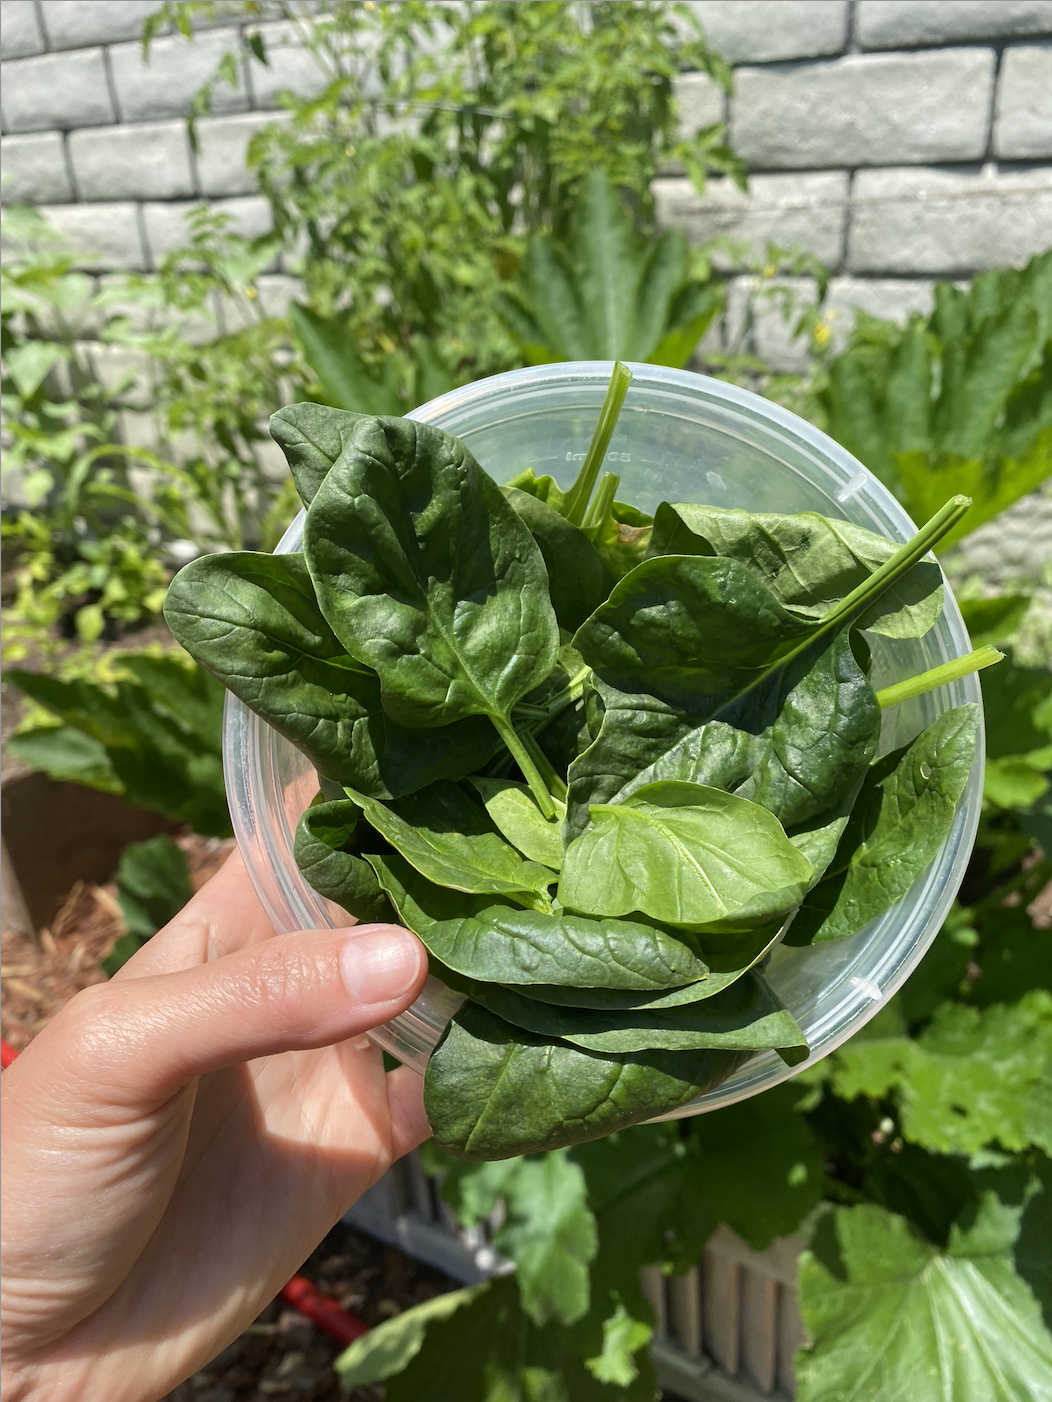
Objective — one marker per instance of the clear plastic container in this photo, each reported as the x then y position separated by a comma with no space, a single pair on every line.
680,437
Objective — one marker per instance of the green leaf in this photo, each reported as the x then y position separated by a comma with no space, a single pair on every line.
481,1347
578,579
746,1016
66,754
623,1337
993,620
514,811
893,1317
253,621
419,903
974,1077
329,351
686,855
322,852
153,884
604,293
453,842
897,825
704,679
163,740
30,363
426,574
549,1232
809,562
491,1091
504,945
388,1348
728,957
312,437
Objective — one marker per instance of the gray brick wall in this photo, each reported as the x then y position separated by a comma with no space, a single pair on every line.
897,140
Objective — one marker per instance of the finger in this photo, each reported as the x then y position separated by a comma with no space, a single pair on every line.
135,1042
225,915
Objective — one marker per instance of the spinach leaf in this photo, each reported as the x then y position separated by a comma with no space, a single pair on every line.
323,835
810,562
419,903
426,574
795,743
312,437
491,1090
513,809
728,958
252,620
897,825
501,945
578,579
686,855
453,842
746,1016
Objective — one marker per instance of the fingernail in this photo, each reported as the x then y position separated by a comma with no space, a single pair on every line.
380,966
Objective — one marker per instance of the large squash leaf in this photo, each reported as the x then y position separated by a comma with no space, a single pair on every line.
895,1319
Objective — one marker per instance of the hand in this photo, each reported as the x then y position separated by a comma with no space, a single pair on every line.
178,1140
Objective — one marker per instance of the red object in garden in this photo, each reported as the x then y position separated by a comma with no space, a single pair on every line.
323,1311
7,1054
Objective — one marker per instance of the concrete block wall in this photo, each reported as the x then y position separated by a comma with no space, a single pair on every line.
897,140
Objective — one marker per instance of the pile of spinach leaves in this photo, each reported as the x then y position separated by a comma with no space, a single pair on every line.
595,760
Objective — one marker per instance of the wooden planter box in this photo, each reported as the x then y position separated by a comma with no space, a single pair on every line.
726,1331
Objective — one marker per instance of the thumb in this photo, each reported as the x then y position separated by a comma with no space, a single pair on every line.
137,1042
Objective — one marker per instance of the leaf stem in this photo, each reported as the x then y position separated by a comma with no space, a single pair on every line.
938,676
545,768
602,501
577,498
903,560
522,758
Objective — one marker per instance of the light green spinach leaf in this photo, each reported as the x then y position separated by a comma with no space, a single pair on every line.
686,855
513,809
452,841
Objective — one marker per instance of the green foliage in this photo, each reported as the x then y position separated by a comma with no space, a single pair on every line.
893,1317
153,885
903,811
960,401
153,735
972,1078
442,136
606,293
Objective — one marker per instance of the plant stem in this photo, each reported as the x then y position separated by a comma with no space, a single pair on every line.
545,768
522,758
903,560
602,501
938,676
578,496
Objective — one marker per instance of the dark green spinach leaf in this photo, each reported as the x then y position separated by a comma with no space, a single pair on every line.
897,825
253,621
491,1090
321,850
501,945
